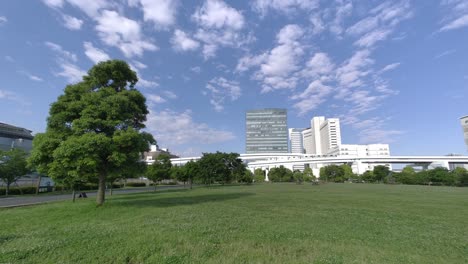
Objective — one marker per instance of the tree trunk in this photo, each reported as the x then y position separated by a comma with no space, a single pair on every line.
73,195
7,190
101,190
190,184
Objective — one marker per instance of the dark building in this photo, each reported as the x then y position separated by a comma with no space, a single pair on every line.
266,131
15,137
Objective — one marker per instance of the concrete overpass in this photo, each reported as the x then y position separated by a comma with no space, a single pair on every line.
266,161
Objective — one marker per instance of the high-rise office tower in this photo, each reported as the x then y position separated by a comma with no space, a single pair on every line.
266,131
322,136
464,123
295,140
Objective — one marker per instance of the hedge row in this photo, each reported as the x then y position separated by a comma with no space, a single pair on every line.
136,184
18,190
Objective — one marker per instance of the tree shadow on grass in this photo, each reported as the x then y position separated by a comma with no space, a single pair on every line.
158,201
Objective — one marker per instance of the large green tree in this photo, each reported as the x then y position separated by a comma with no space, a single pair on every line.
220,167
281,174
259,175
93,129
461,176
332,173
12,166
192,170
380,172
160,169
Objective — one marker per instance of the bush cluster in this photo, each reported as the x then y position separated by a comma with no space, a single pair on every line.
136,184
19,190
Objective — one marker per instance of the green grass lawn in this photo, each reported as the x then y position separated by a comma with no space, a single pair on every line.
268,223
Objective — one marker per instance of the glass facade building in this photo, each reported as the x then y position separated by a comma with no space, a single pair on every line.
266,131
15,137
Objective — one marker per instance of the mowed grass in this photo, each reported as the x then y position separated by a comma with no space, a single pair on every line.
267,223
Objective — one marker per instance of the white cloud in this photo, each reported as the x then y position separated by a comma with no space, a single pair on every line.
31,76
247,62
390,67
343,9
7,95
381,22
196,69
3,20
146,83
312,97
351,73
181,42
161,12
139,65
319,64
35,78
219,25
169,94
318,26
9,59
219,89
176,128
284,6
71,72
123,33
61,52
445,53
278,67
457,15
217,14
91,7
72,23
289,34
155,98
94,54
54,3
66,61
372,130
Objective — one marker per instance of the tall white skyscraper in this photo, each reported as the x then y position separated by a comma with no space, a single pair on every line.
322,136
295,140
464,123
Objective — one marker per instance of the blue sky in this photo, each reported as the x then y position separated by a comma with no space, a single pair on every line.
393,71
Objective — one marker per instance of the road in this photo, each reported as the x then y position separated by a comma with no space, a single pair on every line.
15,201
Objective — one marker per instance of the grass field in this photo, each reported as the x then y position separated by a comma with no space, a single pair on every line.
268,223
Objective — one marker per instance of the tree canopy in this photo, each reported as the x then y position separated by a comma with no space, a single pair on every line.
93,129
12,166
160,169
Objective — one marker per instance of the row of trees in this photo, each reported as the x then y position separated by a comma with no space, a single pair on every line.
212,168
283,174
382,174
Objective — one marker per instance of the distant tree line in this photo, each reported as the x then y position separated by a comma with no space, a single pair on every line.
219,167
382,174
283,174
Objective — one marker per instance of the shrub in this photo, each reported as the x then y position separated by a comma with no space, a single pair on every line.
259,175
136,184
19,190
116,186
168,183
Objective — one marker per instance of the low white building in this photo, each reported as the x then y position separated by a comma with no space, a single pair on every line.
354,150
